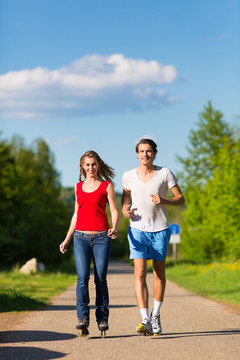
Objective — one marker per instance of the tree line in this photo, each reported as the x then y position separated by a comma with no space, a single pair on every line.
211,183
33,218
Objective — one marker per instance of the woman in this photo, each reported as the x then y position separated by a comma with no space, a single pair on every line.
92,236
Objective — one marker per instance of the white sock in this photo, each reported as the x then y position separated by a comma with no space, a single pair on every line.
156,308
145,315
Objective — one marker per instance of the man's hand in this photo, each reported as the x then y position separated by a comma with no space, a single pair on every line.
126,212
156,199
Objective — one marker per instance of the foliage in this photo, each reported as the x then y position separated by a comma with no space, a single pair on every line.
223,194
32,217
68,197
120,247
211,135
212,184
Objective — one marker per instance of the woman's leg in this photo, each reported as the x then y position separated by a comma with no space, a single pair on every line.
83,255
101,255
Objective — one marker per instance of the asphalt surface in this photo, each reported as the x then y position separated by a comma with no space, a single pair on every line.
193,327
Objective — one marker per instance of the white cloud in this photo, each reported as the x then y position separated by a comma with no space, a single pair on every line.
145,136
92,84
221,37
62,142
66,141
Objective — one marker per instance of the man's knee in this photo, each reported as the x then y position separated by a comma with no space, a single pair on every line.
140,273
159,272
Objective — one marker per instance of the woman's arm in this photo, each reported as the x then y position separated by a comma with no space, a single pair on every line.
113,210
63,246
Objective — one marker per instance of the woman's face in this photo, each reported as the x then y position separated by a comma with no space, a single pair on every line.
91,166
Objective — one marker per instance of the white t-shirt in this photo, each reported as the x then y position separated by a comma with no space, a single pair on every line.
148,216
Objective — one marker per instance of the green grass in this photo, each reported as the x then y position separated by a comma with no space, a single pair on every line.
28,292
218,281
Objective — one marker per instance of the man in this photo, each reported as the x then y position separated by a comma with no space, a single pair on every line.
149,232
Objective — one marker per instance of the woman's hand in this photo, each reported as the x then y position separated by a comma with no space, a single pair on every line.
112,233
63,246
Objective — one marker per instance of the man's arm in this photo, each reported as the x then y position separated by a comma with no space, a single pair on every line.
177,199
126,197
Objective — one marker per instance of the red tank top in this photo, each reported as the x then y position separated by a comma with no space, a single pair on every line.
91,215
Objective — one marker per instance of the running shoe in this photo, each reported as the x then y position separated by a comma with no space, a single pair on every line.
145,328
156,324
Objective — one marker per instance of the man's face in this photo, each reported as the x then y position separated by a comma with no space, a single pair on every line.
145,154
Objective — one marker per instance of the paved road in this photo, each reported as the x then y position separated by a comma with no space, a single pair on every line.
193,328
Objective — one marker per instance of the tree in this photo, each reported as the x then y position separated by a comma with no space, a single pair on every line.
223,210
35,218
205,143
10,201
210,175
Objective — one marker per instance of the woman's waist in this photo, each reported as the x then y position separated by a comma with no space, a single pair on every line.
90,234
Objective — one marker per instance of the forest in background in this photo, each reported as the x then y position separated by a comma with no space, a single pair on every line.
211,183
33,217
35,210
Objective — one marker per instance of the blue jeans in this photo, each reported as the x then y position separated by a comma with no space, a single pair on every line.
87,246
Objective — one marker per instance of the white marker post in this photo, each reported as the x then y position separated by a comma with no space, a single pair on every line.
175,238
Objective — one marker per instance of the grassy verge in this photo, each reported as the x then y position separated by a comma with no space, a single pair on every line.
28,292
219,281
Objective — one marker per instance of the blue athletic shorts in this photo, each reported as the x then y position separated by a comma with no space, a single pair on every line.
148,245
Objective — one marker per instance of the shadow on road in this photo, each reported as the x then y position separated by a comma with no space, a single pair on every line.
33,336
175,335
120,271
120,268
113,337
73,307
181,295
119,306
21,353
167,336
58,308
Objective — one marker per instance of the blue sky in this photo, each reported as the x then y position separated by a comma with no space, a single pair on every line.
102,74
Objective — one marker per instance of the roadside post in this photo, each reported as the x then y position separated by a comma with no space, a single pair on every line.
175,238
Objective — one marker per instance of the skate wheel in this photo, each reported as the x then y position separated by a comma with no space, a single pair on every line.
103,333
84,332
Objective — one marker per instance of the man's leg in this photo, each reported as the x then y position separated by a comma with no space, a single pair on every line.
141,290
159,279
159,290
